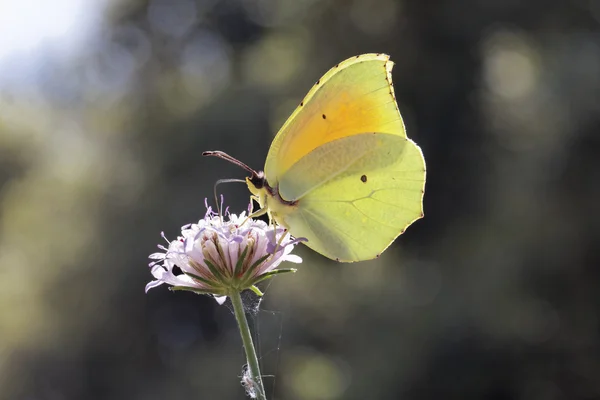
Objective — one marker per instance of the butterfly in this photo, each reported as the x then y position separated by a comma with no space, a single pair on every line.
341,171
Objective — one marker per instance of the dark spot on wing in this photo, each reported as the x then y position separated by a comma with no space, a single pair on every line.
301,103
319,81
324,116
363,178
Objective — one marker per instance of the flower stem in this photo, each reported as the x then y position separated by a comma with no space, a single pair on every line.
240,316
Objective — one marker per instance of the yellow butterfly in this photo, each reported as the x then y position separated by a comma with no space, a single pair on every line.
341,171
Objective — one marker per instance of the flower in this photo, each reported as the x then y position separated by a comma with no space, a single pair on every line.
217,256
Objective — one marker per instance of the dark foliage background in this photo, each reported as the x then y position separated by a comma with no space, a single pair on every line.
105,108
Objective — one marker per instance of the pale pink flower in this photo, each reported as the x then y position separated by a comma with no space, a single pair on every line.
221,254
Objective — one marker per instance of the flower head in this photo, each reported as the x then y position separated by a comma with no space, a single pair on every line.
217,256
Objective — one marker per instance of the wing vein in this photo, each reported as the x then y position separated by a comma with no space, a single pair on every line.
366,197
371,218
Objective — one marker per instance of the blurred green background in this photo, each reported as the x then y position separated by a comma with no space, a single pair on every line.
106,106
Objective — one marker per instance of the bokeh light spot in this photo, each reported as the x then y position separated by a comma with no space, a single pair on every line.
315,376
276,60
205,65
509,67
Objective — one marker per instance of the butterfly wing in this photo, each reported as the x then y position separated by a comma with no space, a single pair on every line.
365,191
356,96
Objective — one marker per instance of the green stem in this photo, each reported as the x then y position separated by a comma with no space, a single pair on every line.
240,316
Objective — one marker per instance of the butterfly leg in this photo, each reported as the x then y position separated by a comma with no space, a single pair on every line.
252,213
285,231
263,211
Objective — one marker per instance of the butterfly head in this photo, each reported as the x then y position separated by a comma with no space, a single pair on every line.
257,184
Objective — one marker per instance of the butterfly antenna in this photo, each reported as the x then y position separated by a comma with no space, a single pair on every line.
227,157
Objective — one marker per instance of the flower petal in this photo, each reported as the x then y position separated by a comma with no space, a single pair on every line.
293,258
152,285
